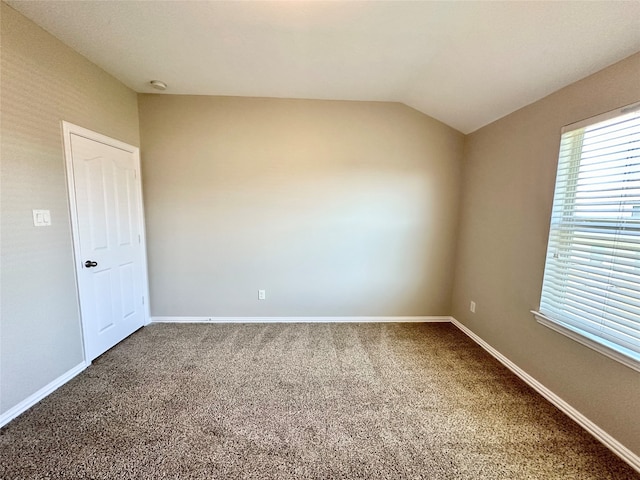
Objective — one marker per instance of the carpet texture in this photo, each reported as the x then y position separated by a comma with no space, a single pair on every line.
297,401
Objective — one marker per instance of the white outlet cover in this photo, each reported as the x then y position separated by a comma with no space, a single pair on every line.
41,218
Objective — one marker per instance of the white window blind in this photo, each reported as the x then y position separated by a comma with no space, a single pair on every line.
591,283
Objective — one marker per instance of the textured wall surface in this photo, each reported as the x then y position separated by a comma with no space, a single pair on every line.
43,83
507,191
334,208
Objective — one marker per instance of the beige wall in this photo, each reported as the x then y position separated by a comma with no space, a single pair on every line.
334,208
43,82
507,191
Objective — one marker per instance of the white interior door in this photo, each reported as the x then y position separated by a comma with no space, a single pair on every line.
105,197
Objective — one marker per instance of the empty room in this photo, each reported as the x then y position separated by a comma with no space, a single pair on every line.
319,239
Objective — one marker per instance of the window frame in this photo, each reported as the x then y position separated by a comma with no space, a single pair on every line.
582,335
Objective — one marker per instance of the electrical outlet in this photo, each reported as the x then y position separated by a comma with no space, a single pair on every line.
472,306
262,294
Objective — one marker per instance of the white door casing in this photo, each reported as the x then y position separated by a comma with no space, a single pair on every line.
107,220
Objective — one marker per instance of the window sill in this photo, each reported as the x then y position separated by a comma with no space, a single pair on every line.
586,341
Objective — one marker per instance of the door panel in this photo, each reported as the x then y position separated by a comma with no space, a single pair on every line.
127,290
124,205
96,198
108,223
103,299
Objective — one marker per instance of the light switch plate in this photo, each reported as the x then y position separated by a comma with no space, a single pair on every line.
41,218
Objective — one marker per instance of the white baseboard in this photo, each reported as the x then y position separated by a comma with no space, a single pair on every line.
297,319
31,400
615,446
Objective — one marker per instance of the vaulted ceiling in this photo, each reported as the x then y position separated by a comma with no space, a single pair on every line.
464,63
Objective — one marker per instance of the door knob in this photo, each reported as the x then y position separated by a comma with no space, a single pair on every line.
90,264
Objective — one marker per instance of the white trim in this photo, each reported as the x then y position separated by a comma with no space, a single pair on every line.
614,445
143,240
586,341
31,400
297,319
632,107
67,130
71,194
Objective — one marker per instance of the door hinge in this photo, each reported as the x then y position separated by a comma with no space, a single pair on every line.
143,300
139,241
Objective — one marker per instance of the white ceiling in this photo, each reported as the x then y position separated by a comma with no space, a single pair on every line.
464,63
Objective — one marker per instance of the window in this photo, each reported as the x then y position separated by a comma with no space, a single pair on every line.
591,286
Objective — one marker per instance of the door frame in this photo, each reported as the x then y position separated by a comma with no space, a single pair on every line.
67,130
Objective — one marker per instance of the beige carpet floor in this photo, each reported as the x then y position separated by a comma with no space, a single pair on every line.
298,401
